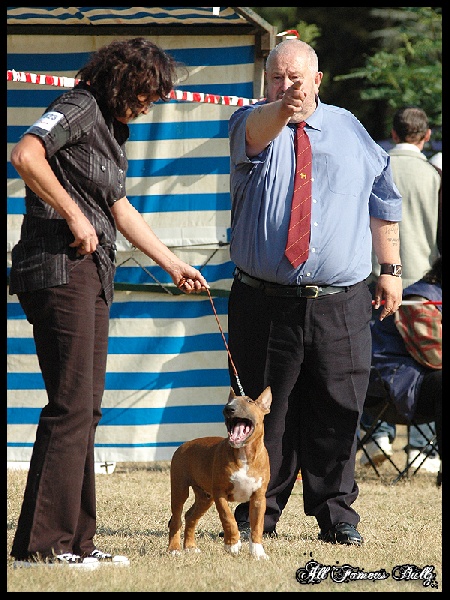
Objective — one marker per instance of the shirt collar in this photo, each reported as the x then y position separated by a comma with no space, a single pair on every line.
406,146
315,120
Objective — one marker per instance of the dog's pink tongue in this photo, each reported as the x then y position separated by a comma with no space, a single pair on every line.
240,432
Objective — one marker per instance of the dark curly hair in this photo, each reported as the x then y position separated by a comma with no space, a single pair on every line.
125,69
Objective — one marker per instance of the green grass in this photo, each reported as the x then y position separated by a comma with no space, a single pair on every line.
401,525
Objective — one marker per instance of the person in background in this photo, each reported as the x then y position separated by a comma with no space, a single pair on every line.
305,330
420,243
419,184
73,163
407,352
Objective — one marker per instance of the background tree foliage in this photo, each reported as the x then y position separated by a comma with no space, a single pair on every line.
374,60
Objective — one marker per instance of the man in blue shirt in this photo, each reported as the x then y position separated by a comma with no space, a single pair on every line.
305,331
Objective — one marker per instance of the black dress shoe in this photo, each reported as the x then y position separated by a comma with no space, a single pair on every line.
244,529
342,533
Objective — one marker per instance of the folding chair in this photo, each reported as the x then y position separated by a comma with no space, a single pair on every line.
380,406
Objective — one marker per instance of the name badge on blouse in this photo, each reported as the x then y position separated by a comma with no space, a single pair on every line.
48,121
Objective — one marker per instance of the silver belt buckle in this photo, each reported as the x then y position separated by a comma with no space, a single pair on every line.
311,291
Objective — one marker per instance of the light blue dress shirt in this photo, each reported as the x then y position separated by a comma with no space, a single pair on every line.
352,180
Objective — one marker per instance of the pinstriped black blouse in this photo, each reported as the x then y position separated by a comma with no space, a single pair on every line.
86,151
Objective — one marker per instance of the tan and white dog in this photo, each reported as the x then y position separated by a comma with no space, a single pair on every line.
223,470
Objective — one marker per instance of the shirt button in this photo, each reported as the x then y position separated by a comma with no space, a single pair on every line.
313,249
103,168
314,200
315,224
308,274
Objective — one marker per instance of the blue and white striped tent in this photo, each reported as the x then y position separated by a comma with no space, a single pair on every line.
167,378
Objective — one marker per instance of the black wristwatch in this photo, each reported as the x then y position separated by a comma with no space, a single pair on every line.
388,269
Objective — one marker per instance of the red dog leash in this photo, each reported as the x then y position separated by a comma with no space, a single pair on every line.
226,345
241,389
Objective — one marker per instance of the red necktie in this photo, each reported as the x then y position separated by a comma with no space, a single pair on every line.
297,246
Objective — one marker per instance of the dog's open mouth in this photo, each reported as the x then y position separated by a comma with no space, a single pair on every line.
239,430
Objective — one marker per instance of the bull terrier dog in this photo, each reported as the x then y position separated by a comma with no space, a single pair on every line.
223,470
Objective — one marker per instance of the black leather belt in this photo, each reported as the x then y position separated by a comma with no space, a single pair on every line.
287,291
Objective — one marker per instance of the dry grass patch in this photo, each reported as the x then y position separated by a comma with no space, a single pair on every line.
401,525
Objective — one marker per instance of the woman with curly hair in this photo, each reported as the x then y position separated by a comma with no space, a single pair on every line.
73,163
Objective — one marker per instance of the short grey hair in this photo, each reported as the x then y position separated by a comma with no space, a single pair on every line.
297,46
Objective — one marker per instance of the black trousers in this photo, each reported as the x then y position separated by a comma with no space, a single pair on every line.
70,329
315,354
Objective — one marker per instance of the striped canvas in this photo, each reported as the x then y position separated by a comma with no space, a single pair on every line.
167,377
122,15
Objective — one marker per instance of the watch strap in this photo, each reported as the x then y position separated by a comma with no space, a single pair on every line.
391,269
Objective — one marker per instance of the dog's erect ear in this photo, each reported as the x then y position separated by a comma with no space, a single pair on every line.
265,400
232,395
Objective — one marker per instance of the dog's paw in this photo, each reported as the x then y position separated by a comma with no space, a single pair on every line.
234,548
257,551
193,550
174,552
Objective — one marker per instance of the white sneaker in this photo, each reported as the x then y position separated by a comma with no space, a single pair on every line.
432,464
73,560
69,559
105,558
376,452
